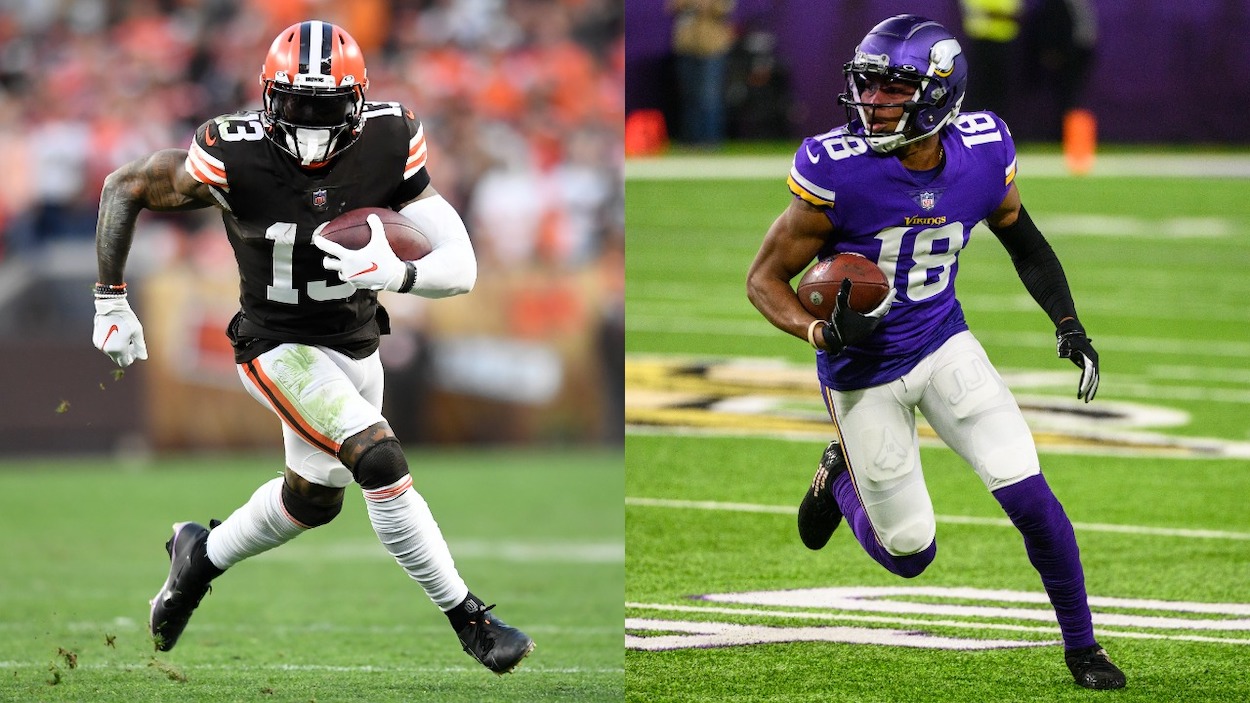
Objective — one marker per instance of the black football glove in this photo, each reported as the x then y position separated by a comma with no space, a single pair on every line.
1074,345
847,327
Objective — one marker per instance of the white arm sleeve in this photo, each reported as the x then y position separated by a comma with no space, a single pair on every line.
451,268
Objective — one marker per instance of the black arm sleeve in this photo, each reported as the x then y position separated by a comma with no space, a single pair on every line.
1038,267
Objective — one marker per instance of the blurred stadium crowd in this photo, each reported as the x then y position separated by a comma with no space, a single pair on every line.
522,102
523,107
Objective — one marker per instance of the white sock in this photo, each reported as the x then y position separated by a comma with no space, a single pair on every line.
258,526
403,522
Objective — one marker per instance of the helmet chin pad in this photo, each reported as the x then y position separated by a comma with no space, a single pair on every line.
311,145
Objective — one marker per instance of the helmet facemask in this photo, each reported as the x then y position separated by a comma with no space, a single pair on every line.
313,125
905,132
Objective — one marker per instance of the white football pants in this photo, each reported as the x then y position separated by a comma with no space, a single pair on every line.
323,397
967,404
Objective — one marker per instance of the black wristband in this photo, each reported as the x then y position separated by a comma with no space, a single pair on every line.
1069,325
410,277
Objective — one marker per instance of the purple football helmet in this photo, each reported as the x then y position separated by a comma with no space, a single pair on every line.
915,50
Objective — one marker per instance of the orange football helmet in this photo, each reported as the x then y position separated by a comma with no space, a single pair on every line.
314,83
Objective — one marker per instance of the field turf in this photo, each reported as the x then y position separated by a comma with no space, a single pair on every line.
1155,474
327,617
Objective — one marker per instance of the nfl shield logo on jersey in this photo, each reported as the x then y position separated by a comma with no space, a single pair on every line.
319,199
926,199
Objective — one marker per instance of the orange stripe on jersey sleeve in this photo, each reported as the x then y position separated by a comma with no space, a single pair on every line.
416,153
206,168
287,411
199,173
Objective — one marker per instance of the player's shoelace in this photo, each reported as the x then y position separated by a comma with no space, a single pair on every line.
478,635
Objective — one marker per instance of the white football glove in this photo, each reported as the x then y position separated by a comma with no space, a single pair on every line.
118,332
372,267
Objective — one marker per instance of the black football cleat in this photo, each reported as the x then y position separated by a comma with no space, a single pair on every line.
495,644
1092,668
189,574
819,514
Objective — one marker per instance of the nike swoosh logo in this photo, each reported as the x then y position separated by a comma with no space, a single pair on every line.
110,334
810,156
209,139
372,267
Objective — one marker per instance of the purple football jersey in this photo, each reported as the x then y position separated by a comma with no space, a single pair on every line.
913,227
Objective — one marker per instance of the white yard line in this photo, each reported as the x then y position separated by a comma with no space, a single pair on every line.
1192,165
753,327
920,623
475,670
948,519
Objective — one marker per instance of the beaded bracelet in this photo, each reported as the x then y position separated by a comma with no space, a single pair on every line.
110,290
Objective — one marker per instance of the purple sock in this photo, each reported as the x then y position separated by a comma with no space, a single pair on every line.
909,566
1051,546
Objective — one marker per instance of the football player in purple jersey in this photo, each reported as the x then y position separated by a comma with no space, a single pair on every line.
904,183
306,338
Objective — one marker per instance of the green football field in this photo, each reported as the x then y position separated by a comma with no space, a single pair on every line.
723,603
327,617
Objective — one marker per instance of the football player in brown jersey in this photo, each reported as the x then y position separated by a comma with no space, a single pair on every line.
306,338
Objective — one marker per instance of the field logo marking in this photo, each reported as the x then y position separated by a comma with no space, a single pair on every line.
772,398
846,603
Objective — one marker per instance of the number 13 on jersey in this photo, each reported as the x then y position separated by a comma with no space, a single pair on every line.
283,289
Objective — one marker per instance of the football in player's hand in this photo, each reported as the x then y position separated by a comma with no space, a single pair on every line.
352,231
818,288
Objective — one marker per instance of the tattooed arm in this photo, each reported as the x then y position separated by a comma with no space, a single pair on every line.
156,182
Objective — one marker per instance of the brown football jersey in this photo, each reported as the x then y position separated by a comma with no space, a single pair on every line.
271,207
